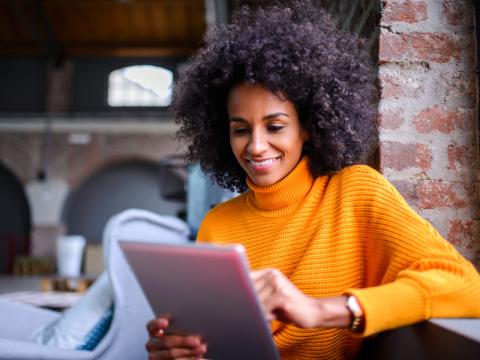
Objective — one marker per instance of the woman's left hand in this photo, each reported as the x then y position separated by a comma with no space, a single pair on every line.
283,301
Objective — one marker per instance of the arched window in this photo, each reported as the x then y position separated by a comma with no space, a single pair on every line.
140,85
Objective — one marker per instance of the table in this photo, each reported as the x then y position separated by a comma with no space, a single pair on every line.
65,284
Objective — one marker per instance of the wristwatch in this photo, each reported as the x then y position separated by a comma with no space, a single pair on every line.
357,323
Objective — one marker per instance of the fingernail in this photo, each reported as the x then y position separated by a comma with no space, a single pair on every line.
162,322
160,332
201,349
193,341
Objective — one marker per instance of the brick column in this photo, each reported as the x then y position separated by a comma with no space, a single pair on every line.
59,88
427,114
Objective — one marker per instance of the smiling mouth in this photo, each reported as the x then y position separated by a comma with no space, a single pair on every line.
262,163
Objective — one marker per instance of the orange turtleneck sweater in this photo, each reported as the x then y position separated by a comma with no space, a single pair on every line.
350,232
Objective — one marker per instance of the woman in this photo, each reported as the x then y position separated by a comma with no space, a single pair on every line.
281,105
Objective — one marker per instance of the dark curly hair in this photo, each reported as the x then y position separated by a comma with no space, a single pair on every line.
293,50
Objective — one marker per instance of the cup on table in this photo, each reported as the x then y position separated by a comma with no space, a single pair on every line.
70,249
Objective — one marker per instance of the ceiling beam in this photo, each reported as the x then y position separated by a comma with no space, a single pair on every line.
129,51
101,51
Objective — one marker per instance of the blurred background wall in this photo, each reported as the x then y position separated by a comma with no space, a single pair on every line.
84,133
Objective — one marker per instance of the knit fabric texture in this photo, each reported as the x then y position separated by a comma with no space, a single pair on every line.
347,233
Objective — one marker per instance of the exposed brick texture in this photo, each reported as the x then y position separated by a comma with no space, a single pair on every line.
408,189
21,153
440,118
459,84
463,233
441,194
59,87
416,47
395,87
454,11
460,157
423,157
391,119
427,114
400,156
407,11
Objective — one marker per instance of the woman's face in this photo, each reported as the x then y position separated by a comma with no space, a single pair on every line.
265,133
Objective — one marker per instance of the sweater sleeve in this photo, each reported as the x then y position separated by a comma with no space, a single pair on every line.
204,234
421,275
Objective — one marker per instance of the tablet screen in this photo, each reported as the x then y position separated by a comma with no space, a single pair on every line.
206,290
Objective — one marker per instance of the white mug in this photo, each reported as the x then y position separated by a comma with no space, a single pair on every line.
70,250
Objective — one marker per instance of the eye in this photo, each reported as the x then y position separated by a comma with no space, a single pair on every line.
239,130
274,127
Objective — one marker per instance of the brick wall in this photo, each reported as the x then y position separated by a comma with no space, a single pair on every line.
427,113
426,118
74,163
70,164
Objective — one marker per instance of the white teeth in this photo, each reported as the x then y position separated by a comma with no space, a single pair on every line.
262,163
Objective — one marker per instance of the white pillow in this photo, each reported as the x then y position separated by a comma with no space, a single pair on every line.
82,326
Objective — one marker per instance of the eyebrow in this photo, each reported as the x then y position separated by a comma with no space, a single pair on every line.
266,117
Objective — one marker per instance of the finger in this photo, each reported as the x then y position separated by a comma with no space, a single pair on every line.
180,341
264,296
172,341
163,356
154,326
265,291
276,296
178,353
271,306
263,279
271,283
154,344
254,275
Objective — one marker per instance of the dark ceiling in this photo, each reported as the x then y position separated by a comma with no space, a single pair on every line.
137,28
101,28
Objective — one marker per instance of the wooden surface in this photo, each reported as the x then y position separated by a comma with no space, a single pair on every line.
65,284
101,27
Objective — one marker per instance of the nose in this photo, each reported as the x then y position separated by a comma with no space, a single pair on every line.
258,142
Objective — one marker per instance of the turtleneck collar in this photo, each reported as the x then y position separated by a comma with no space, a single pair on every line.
284,195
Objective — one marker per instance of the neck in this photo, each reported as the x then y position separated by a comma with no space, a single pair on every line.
285,194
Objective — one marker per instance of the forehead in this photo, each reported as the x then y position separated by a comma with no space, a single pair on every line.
245,96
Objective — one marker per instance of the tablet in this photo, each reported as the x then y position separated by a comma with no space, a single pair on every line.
206,289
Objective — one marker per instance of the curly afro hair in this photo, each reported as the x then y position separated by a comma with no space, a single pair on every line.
294,50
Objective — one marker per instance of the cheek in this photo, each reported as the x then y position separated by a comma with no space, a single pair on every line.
236,146
296,144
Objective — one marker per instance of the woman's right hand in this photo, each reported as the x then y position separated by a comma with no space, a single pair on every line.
172,346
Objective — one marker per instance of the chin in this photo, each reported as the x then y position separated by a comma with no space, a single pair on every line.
263,182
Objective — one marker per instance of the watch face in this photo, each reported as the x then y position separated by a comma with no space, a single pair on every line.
358,322
354,306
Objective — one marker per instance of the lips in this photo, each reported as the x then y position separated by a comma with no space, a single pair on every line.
263,164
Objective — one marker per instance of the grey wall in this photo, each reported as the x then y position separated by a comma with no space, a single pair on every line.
118,187
22,85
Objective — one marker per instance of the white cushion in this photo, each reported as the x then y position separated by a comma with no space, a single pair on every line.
83,325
